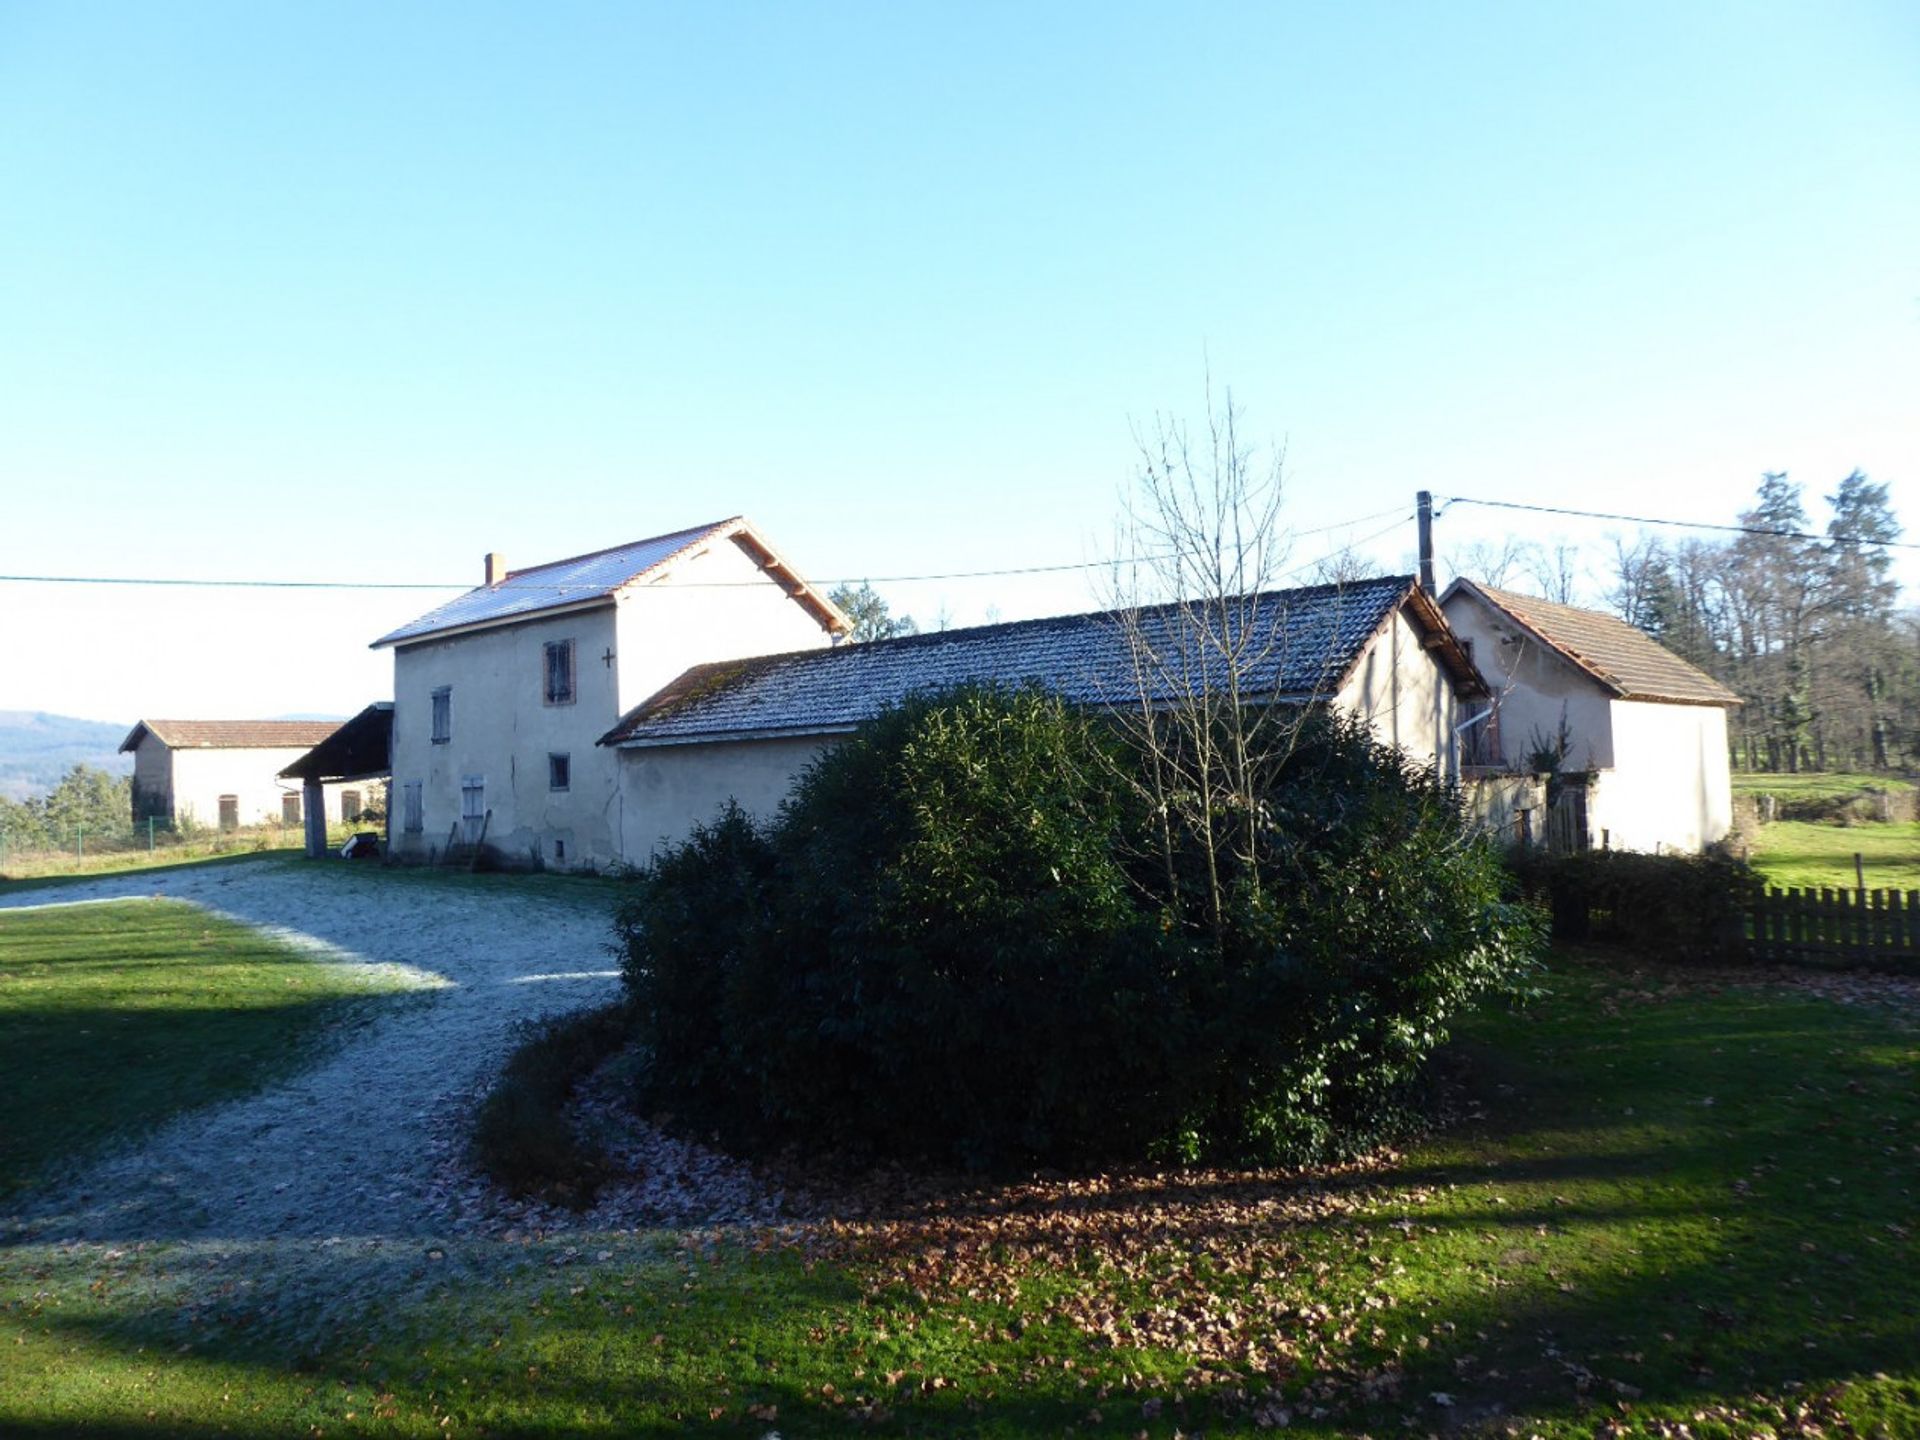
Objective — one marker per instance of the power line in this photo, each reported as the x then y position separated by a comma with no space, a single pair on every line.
1452,500
561,588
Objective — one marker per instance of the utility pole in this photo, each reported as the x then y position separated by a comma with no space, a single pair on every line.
1425,503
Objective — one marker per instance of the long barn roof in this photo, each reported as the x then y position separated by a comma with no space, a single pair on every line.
232,734
1301,643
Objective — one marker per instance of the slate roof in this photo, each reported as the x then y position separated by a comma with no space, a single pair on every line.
1627,661
359,749
232,734
1319,633
599,576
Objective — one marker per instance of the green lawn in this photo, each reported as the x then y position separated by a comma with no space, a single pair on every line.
1661,1204
1815,785
115,1017
1798,853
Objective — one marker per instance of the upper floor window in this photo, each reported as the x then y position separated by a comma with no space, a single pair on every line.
559,672
559,772
443,715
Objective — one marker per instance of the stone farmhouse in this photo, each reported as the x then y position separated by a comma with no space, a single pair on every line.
588,712
1632,739
226,773
500,696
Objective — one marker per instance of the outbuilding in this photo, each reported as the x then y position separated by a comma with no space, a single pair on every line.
226,773
1632,738
744,729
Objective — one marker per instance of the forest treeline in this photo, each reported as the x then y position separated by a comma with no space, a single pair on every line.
1805,625
87,802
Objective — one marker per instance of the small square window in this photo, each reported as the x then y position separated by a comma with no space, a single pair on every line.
558,685
559,772
443,715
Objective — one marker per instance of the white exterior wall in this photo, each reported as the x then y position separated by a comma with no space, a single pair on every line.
669,789
201,776
503,730
1402,692
1535,689
1669,787
716,605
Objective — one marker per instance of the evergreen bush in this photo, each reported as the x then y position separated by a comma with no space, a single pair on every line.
960,941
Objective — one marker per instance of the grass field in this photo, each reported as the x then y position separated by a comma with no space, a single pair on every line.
1664,1204
115,1017
1826,785
19,865
1796,853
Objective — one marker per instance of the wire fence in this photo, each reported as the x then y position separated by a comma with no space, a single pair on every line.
53,848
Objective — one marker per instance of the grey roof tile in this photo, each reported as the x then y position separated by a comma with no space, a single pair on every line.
1300,642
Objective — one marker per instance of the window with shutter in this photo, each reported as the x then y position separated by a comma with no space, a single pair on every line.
558,682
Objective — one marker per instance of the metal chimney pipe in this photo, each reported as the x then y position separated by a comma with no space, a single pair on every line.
1425,500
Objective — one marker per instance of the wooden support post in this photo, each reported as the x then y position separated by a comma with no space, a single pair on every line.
313,812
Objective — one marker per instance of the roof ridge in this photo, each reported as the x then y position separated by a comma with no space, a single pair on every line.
1159,607
847,677
690,530
1537,614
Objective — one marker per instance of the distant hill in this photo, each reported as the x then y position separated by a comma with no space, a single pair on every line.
36,749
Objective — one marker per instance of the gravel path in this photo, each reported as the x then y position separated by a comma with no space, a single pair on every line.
356,1145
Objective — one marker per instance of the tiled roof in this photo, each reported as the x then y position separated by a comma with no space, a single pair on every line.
560,582
233,734
1626,660
1308,639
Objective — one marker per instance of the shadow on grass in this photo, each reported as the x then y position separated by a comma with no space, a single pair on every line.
1603,1241
646,1346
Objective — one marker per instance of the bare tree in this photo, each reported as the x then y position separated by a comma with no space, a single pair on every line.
1488,563
1556,571
1204,637
1343,567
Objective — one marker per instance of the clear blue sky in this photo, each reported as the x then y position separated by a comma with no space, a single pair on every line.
361,292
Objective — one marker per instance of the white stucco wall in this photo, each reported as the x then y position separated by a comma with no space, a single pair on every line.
1534,689
1669,787
1400,689
201,776
666,790
718,605
503,730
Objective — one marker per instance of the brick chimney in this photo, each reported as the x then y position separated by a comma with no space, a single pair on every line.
496,568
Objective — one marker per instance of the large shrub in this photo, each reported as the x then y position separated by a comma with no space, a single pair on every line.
961,940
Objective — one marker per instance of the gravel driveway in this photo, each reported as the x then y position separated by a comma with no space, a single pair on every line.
356,1144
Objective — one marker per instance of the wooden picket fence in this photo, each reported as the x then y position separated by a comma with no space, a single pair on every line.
1875,929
